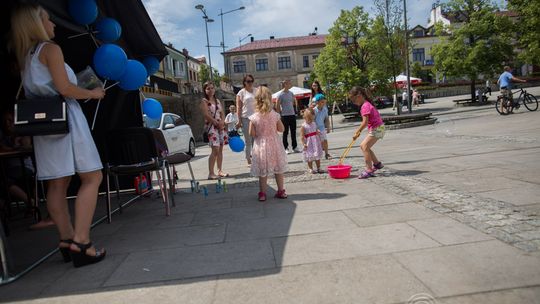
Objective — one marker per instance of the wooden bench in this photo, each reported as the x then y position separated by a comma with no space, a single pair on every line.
468,101
351,115
404,118
464,101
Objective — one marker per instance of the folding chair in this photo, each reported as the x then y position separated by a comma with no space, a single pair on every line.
133,151
172,159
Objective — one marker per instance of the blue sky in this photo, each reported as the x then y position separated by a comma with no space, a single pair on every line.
178,22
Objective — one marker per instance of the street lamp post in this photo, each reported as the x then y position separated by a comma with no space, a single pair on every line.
206,20
221,13
242,39
408,66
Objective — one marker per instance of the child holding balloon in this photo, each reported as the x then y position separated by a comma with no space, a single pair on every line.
267,154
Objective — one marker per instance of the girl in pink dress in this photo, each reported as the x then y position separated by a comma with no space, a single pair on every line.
311,140
267,154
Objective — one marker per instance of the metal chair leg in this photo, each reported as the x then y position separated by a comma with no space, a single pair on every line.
171,183
117,185
166,191
109,215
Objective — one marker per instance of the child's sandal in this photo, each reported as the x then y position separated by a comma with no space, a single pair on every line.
281,194
365,174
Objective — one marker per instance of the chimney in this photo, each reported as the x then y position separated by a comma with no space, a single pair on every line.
252,39
170,44
185,52
272,37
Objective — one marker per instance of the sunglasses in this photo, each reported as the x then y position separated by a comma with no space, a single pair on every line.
249,81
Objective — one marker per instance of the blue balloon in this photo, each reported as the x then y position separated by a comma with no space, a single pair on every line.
134,77
83,11
151,64
236,144
110,61
109,30
152,108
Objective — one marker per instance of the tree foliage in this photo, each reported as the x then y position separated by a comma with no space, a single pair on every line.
478,45
204,75
360,51
528,29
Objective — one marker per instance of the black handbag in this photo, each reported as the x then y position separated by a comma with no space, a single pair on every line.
41,116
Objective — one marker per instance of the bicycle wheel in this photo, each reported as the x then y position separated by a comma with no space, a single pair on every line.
504,106
530,102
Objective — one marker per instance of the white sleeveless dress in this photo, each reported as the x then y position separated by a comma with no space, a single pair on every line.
59,155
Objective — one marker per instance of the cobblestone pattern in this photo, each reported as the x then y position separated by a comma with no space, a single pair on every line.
506,222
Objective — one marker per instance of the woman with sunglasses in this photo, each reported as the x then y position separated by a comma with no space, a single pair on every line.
315,89
245,107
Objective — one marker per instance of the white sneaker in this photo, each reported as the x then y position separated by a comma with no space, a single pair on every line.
296,150
287,151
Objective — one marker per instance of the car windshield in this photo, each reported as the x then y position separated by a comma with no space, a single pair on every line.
151,123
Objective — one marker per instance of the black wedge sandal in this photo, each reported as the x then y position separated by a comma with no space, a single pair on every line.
65,250
82,259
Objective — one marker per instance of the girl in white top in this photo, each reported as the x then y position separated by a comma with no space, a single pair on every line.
59,157
245,107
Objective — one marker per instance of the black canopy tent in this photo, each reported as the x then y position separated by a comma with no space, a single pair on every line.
119,109
139,39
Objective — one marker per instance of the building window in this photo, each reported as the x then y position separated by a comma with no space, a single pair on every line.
305,60
261,64
418,33
314,57
239,66
418,55
284,63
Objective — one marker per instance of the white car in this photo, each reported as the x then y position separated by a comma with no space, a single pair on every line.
177,133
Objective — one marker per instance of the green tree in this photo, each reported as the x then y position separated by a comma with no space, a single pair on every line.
477,45
528,29
204,75
347,53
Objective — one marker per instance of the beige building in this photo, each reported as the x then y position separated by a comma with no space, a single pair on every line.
272,60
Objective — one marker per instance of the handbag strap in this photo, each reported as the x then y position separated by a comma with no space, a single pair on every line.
214,114
19,91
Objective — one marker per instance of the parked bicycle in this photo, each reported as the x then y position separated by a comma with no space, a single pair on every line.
505,106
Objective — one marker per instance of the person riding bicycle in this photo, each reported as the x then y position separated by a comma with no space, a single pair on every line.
505,82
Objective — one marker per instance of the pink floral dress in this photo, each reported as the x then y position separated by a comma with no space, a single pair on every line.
314,150
267,155
215,137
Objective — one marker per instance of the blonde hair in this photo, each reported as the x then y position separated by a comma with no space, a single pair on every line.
309,112
27,30
263,98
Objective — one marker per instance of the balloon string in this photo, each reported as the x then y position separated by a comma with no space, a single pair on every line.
112,85
97,108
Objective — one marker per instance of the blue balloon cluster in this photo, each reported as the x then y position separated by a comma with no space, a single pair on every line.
151,64
152,108
83,11
108,30
134,76
110,61
236,144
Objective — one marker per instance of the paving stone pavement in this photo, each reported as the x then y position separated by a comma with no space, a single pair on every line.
452,218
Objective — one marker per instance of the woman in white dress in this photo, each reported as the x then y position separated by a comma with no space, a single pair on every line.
59,157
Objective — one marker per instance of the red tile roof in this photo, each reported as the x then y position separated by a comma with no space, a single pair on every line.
279,43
